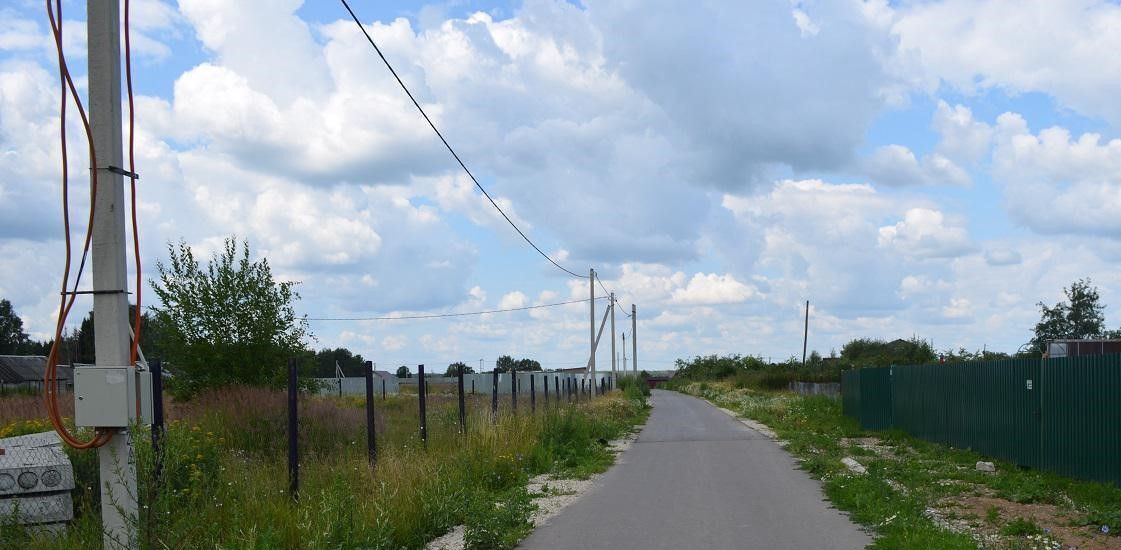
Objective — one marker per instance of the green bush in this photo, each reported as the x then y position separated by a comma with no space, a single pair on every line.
498,521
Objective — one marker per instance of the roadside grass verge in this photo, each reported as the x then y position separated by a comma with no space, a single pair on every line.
918,494
224,481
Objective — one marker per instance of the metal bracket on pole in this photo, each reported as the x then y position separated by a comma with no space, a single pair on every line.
595,343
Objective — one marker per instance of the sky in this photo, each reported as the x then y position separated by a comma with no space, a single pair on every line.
912,169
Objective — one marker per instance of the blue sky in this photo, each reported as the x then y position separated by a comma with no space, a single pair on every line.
921,168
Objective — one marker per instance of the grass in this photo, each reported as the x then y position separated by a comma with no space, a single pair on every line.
907,477
224,478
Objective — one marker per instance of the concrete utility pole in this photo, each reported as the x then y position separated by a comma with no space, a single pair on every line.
806,333
624,353
634,339
110,301
591,368
614,355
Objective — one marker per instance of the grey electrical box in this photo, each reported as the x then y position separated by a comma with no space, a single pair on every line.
105,397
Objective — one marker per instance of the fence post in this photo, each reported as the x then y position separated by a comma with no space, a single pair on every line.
472,385
371,436
156,367
556,387
494,396
293,439
514,390
462,405
532,395
545,378
421,392
583,387
383,389
602,386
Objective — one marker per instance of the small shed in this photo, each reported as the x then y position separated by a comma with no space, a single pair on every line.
1082,348
26,371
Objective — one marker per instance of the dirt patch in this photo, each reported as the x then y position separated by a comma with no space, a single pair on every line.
871,444
984,516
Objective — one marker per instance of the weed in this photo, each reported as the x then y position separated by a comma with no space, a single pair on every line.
1020,527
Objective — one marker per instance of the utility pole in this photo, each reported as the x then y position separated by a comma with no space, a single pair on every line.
591,368
806,333
634,339
624,353
614,356
117,466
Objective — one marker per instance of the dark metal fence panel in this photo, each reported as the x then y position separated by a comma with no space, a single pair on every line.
1081,410
991,407
1061,414
850,393
875,398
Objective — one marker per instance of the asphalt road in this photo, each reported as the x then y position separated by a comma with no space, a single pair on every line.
698,479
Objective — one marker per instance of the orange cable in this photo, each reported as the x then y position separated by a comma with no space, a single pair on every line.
134,349
66,302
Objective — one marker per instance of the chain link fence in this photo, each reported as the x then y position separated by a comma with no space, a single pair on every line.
36,480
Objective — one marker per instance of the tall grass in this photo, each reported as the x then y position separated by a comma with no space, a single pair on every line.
224,481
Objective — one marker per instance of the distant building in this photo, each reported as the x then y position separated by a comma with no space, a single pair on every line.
1082,348
26,371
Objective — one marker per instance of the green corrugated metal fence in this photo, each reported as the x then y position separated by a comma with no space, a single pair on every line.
1063,415
1081,424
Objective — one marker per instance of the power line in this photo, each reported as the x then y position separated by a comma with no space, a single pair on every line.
449,147
600,281
442,315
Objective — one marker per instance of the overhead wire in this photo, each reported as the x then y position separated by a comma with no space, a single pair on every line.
431,124
443,315
604,288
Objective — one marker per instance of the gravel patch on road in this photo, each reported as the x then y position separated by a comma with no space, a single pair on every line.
551,495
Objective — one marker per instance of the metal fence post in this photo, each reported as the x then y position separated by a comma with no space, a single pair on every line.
293,438
383,389
156,366
532,395
462,404
556,387
422,390
545,378
514,390
494,396
371,436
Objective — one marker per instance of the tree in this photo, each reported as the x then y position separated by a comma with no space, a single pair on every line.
504,364
453,369
230,323
868,352
348,361
1081,316
404,372
527,365
508,364
12,338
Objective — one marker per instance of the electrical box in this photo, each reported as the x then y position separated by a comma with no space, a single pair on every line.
105,397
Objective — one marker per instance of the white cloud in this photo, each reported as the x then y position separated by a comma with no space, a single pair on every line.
964,138
896,166
1057,184
1064,49
958,308
712,289
926,233
512,300
394,343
